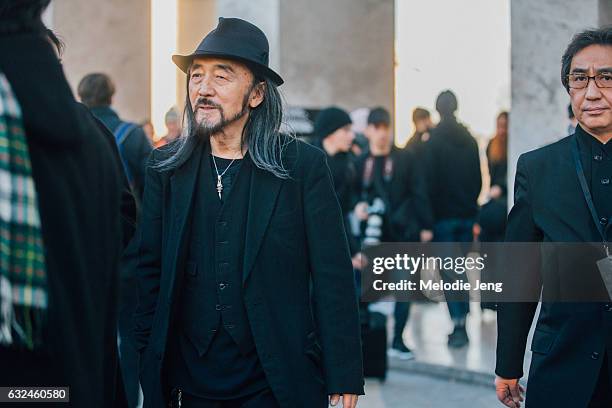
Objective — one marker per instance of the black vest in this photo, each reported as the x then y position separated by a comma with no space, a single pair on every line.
215,354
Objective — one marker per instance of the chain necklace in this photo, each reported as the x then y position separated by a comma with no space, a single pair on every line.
219,182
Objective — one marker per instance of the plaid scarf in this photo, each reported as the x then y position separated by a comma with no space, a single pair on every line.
23,283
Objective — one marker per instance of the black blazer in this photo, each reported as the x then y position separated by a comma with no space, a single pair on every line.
307,340
78,181
569,342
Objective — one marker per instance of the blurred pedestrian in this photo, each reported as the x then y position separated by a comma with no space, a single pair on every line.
492,216
421,119
455,182
393,204
562,193
173,127
57,326
246,291
96,91
149,130
333,130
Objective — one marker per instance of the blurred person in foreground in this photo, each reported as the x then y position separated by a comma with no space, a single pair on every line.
393,205
96,91
563,193
454,179
58,303
246,286
173,126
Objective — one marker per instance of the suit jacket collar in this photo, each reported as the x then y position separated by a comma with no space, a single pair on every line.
263,195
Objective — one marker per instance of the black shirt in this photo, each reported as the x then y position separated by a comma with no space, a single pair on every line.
596,160
220,369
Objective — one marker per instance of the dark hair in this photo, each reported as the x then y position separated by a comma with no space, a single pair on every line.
570,112
261,133
420,114
56,41
22,16
96,90
446,103
379,116
601,36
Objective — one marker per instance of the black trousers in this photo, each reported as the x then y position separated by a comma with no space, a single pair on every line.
260,399
602,396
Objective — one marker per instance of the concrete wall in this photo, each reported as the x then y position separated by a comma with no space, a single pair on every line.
196,19
605,12
113,37
541,31
339,52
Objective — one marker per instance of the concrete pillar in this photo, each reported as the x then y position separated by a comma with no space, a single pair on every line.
339,52
605,12
196,18
113,37
541,31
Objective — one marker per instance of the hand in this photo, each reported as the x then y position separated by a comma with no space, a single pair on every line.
361,211
348,400
426,235
509,391
359,261
495,192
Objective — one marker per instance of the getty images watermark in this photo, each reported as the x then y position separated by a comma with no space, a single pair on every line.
411,265
486,272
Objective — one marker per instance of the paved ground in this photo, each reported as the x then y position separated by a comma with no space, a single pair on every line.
405,390
427,334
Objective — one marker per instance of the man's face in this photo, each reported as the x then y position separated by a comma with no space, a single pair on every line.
592,105
221,92
343,138
423,125
379,135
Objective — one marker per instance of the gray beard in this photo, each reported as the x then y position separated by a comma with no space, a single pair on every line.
203,131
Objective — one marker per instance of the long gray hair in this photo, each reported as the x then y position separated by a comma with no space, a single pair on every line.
261,134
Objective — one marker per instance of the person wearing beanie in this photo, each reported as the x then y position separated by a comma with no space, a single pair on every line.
333,129
391,186
454,179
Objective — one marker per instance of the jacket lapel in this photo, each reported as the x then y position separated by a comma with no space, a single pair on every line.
182,186
262,199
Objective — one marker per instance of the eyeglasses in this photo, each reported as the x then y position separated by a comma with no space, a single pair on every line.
581,81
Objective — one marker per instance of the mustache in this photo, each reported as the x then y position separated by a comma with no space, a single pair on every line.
204,102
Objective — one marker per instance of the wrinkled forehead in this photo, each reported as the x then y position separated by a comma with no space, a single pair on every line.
593,57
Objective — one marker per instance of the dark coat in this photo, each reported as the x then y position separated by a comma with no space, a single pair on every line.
409,208
570,338
453,171
79,191
135,149
295,240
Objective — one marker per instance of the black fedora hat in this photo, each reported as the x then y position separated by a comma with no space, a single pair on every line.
234,39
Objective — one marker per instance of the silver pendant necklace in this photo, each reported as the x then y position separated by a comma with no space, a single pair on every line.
219,182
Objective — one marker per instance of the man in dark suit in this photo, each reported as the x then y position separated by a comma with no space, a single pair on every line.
563,194
246,292
78,185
